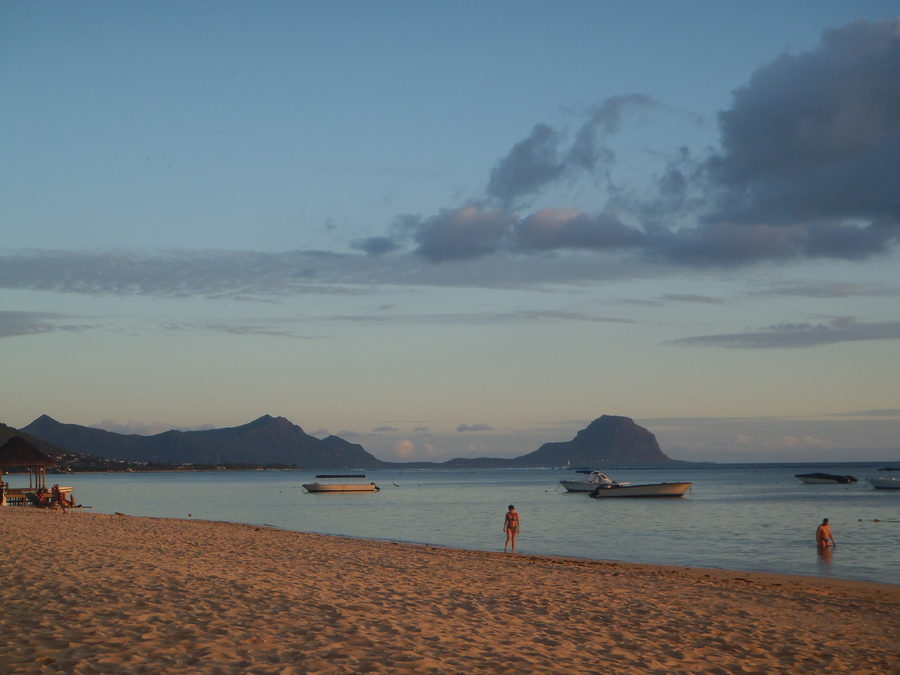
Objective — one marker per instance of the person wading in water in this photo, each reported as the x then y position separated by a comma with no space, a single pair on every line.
511,525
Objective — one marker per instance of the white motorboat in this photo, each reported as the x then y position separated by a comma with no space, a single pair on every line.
885,483
600,485
592,480
824,478
648,490
356,486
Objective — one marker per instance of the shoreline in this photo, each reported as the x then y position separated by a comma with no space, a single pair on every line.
88,592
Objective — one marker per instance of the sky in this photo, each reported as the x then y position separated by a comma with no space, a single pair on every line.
457,229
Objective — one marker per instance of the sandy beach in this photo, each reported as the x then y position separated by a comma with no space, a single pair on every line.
92,593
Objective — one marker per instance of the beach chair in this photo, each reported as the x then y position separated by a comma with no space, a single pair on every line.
37,503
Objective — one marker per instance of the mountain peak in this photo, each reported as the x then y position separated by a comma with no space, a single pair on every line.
609,439
263,421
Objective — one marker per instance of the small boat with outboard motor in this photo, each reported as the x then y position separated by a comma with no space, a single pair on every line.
356,486
599,486
824,478
885,482
615,489
591,480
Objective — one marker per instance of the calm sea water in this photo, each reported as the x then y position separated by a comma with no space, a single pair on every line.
741,517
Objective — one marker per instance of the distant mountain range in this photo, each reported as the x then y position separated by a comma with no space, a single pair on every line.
275,441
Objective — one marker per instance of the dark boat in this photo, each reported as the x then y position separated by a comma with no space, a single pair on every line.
824,478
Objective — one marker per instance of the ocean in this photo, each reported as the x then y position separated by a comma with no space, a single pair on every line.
741,517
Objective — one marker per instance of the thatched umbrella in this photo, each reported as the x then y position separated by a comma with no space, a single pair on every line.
19,452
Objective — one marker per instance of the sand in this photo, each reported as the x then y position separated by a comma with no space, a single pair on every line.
92,593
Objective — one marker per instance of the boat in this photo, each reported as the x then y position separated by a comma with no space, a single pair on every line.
884,483
357,486
593,479
823,478
600,485
614,489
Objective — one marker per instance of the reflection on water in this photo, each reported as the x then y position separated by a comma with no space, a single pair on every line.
737,517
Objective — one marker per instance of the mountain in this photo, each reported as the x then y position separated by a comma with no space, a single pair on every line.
265,441
48,448
607,441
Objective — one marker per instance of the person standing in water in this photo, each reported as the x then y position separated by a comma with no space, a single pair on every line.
511,525
823,535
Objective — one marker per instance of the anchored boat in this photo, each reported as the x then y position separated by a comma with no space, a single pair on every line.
591,480
648,490
356,486
884,483
600,485
823,478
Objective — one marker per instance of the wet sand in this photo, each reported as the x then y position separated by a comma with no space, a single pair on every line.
92,593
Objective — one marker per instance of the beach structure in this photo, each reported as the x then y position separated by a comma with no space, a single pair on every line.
19,453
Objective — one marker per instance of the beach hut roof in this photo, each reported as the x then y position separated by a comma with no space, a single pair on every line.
19,452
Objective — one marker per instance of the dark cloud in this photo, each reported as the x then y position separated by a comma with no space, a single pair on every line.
809,167
474,427
377,245
538,161
588,151
784,336
817,110
468,232
551,229
532,164
814,139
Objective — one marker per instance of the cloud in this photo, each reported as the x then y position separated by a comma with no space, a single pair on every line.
531,164
888,412
690,297
757,444
406,450
468,232
808,167
551,229
783,336
588,151
266,327
377,245
474,427
809,118
17,324
14,324
538,161
814,139
829,290
385,428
